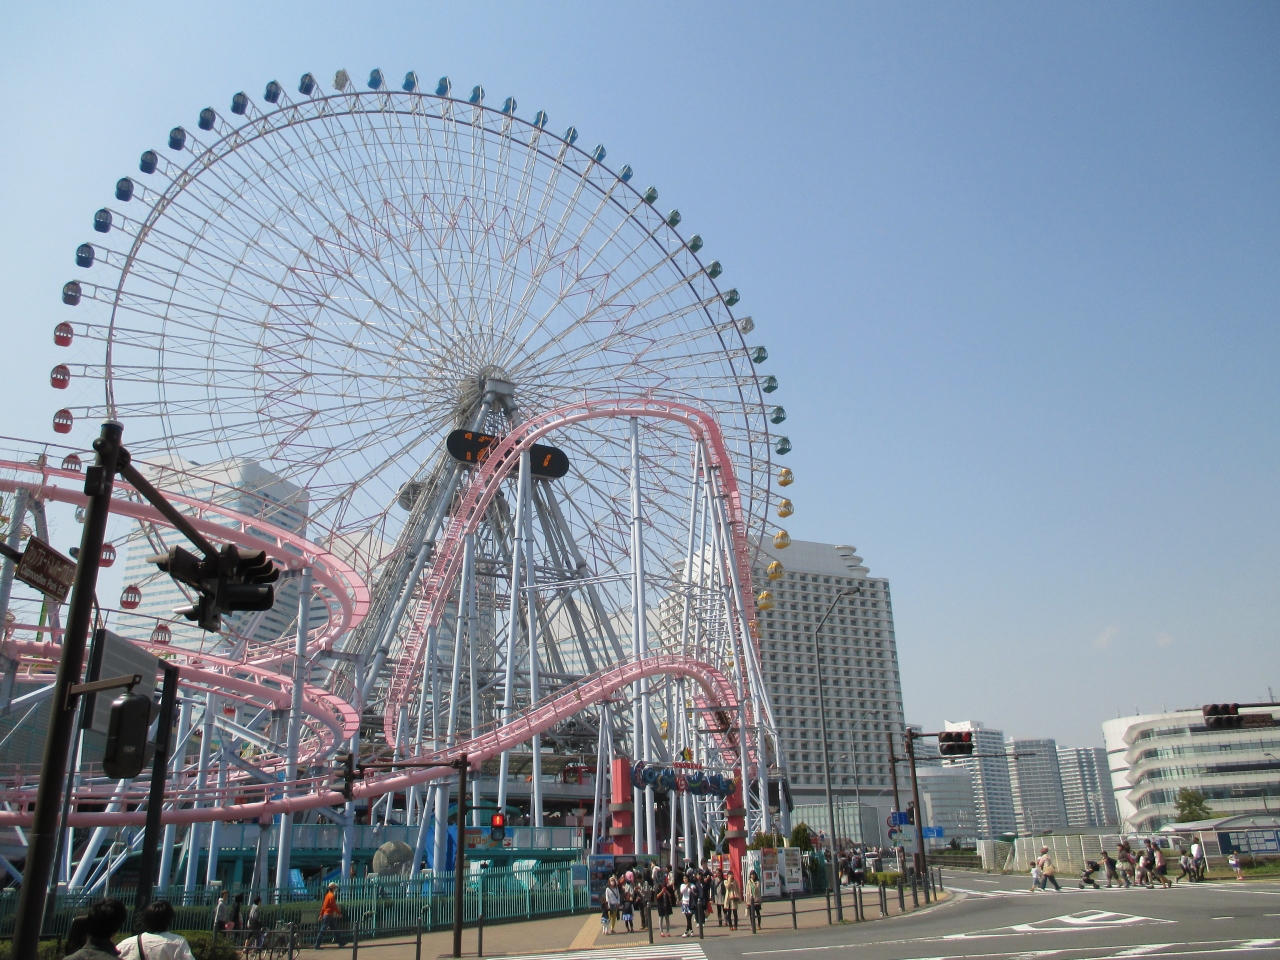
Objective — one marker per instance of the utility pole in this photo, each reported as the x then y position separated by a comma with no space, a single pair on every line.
893,769
918,857
42,842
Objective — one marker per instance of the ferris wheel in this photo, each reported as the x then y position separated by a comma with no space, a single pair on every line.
323,282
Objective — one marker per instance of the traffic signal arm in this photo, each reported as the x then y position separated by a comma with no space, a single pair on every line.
170,512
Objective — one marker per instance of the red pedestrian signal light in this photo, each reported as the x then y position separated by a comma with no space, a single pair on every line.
498,826
955,743
1222,716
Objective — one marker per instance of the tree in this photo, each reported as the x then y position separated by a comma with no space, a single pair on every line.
762,840
801,837
1191,806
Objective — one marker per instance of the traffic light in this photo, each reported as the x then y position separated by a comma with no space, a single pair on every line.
911,814
225,583
955,743
498,827
347,762
1222,716
126,751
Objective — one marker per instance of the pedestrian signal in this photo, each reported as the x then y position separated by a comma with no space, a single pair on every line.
498,826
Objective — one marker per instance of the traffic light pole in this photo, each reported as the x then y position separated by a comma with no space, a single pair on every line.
893,770
42,842
918,858
155,800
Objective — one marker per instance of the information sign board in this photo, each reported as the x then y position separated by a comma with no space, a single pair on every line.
46,569
932,833
119,657
899,818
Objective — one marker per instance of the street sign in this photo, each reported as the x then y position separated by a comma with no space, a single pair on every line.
120,658
46,569
899,819
932,833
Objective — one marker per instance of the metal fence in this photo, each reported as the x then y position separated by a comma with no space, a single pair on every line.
380,906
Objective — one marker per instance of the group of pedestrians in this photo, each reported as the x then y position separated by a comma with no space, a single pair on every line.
694,891
1147,866
856,863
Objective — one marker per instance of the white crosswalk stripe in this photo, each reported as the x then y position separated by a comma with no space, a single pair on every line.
674,951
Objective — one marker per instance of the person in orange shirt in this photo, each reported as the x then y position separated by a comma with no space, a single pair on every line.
330,913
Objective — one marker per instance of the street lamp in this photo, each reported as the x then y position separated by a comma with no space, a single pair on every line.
826,747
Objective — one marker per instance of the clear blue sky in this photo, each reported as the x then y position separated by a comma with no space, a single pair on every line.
1016,266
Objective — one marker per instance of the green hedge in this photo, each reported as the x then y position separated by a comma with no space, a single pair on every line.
889,878
204,947
49,950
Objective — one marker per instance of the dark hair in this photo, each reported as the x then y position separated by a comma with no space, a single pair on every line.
77,933
105,918
158,916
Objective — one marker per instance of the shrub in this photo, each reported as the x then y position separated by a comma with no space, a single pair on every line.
889,878
49,950
203,946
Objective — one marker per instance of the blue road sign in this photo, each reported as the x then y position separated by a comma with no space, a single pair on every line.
934,833
899,819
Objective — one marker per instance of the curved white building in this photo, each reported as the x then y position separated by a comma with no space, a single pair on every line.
1153,756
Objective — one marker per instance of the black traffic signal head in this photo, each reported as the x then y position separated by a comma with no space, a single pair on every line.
955,743
1222,716
347,764
245,580
126,751
498,826
185,567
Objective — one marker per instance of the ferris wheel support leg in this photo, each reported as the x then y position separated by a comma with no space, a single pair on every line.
202,781
513,627
531,620
424,826
641,728
13,540
285,842
441,847
601,735
467,627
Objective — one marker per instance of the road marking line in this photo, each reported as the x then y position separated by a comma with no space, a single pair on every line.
1222,918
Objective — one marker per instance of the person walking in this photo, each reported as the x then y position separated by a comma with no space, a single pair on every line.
613,900
221,913
686,905
1035,876
717,895
755,897
155,942
257,925
1197,859
1048,872
644,898
666,901
1236,864
237,908
1161,866
330,914
1109,868
104,919
731,901
1187,866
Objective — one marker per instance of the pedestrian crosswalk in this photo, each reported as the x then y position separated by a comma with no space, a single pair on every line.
674,951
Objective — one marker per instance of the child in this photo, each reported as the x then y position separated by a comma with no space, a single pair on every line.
1035,876
1188,868
1237,865
604,915
627,906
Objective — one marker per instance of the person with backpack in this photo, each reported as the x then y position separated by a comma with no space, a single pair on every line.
1048,873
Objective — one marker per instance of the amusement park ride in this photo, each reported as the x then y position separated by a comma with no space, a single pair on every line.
527,449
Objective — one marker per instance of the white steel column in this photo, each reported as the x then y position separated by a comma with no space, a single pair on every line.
513,624
467,628
215,828
531,621
202,782
642,732
175,762
285,842
455,680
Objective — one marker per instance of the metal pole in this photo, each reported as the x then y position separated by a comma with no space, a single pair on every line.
460,858
919,810
155,800
531,620
513,629
639,638
13,540
42,842
893,769
826,749
285,843
215,828
171,829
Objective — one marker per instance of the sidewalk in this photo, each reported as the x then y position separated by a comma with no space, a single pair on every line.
583,932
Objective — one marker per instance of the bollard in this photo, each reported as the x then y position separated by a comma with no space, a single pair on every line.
884,900
699,916
827,897
293,940
355,938
859,909
915,891
902,896
417,950
751,916
794,925
940,887
648,920
480,932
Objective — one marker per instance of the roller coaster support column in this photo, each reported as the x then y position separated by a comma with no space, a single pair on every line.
42,842
171,829
531,619
202,783
736,829
622,808
641,731
14,540
285,843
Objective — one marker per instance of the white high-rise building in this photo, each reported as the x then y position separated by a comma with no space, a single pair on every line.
1153,756
240,485
946,793
862,690
992,792
1036,783
1086,787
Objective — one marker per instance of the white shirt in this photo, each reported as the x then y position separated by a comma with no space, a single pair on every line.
156,946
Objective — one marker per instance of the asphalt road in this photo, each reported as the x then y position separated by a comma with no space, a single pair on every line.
998,918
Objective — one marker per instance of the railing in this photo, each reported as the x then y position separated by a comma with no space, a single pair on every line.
385,906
